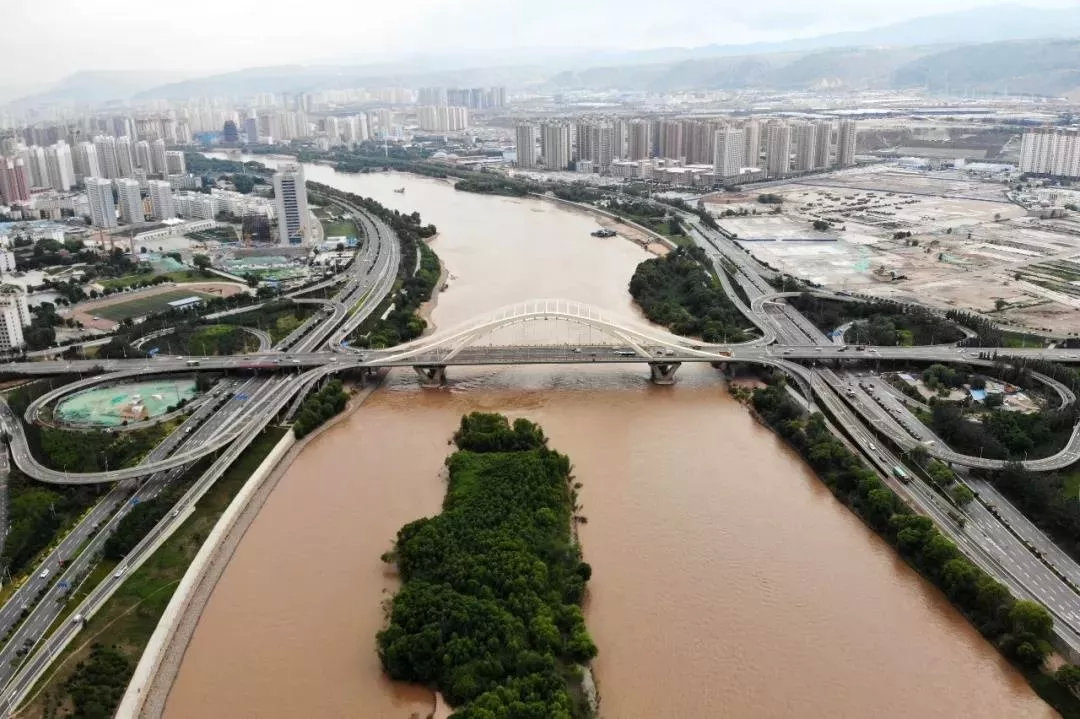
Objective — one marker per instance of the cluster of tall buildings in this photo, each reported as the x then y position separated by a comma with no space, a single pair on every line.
27,168
346,130
442,118
474,98
61,166
778,146
167,127
273,125
1051,151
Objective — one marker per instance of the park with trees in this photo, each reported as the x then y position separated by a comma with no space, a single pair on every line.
489,611
877,322
676,291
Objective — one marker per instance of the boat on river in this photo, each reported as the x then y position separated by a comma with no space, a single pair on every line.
604,232
400,190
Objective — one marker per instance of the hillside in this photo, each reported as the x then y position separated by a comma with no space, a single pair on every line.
1046,67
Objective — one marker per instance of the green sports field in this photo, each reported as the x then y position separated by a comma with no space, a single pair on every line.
140,306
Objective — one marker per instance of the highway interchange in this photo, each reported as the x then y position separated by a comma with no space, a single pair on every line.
261,386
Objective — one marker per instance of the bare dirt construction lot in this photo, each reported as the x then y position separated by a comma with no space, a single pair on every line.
943,238
146,301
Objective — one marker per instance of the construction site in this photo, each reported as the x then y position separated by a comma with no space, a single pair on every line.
949,238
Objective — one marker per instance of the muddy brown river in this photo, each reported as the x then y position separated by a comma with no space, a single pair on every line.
727,582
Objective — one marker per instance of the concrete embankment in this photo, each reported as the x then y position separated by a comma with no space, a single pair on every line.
200,577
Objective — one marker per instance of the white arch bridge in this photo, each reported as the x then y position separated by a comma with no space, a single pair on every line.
577,334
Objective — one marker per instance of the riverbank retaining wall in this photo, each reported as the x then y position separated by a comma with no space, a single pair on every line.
161,640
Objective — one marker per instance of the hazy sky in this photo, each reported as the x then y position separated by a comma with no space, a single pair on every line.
59,37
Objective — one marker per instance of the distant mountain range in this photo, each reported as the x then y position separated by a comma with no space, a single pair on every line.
96,87
1042,67
1005,48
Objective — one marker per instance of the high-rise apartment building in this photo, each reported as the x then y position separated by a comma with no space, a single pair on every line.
39,166
620,133
86,161
555,145
777,148
752,135
7,261
131,204
229,135
525,145
14,181
638,140
804,138
100,197
143,157
7,181
474,98
1051,151
822,145
603,147
729,151
125,155
61,166
584,141
443,118
698,140
14,315
157,157
290,204
162,204
251,129
122,126
175,163
845,143
105,146
670,139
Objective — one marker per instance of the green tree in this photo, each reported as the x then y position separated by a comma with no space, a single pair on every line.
961,494
1030,617
1068,675
201,261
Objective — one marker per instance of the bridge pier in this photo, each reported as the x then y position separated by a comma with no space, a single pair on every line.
431,375
663,372
365,374
724,367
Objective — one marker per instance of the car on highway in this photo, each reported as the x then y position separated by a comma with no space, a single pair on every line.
120,572
44,573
